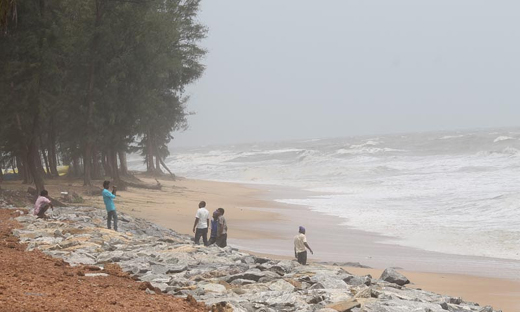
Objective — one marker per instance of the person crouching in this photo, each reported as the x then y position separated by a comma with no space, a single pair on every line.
42,204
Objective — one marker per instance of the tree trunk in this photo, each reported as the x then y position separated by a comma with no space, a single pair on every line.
122,163
27,156
1,173
113,163
96,170
52,149
22,173
75,166
87,160
33,155
166,167
158,165
106,164
90,93
149,153
47,171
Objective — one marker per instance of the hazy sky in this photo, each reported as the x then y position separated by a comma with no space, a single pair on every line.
287,69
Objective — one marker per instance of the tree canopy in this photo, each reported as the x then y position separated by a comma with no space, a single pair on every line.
85,82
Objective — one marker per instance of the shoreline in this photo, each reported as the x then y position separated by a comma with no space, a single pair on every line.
255,219
366,247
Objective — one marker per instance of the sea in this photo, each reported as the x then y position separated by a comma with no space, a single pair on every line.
452,192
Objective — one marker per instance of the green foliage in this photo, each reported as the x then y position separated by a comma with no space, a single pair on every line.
108,72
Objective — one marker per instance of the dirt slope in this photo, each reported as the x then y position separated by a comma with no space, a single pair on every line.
33,281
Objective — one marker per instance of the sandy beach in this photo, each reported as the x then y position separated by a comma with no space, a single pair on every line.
258,224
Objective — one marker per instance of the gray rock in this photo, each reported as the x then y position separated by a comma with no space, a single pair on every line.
77,258
261,260
159,269
392,276
176,269
358,280
171,263
161,286
249,275
400,306
112,256
215,288
454,300
344,306
281,285
324,281
241,281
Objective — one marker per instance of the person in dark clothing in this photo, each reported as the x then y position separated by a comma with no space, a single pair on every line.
214,225
221,229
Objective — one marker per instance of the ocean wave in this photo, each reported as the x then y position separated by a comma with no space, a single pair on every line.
503,138
278,154
508,151
447,137
368,143
367,150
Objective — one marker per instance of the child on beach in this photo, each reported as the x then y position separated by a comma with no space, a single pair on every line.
108,198
221,229
214,226
42,204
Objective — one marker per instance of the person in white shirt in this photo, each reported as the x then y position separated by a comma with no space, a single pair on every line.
200,227
300,242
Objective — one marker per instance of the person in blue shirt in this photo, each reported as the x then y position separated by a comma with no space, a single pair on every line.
108,198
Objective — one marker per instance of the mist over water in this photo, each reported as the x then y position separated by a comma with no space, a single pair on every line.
452,192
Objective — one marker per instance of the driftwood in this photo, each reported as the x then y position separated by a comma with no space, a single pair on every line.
158,186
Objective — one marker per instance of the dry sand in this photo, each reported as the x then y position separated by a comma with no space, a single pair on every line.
258,224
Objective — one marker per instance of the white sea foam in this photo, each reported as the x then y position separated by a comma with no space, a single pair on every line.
368,143
447,137
454,193
503,138
368,150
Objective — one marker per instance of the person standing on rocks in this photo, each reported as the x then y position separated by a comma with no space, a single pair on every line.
300,242
108,198
221,229
201,224
214,227
42,204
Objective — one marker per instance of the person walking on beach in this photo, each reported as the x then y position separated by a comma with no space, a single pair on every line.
201,224
221,229
214,226
42,204
108,198
300,242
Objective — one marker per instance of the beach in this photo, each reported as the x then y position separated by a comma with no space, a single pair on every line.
262,226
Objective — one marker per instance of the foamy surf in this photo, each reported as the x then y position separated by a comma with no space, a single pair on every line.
447,192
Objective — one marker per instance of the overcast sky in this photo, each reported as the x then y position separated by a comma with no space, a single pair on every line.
294,69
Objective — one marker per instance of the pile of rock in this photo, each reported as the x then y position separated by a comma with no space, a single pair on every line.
221,276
